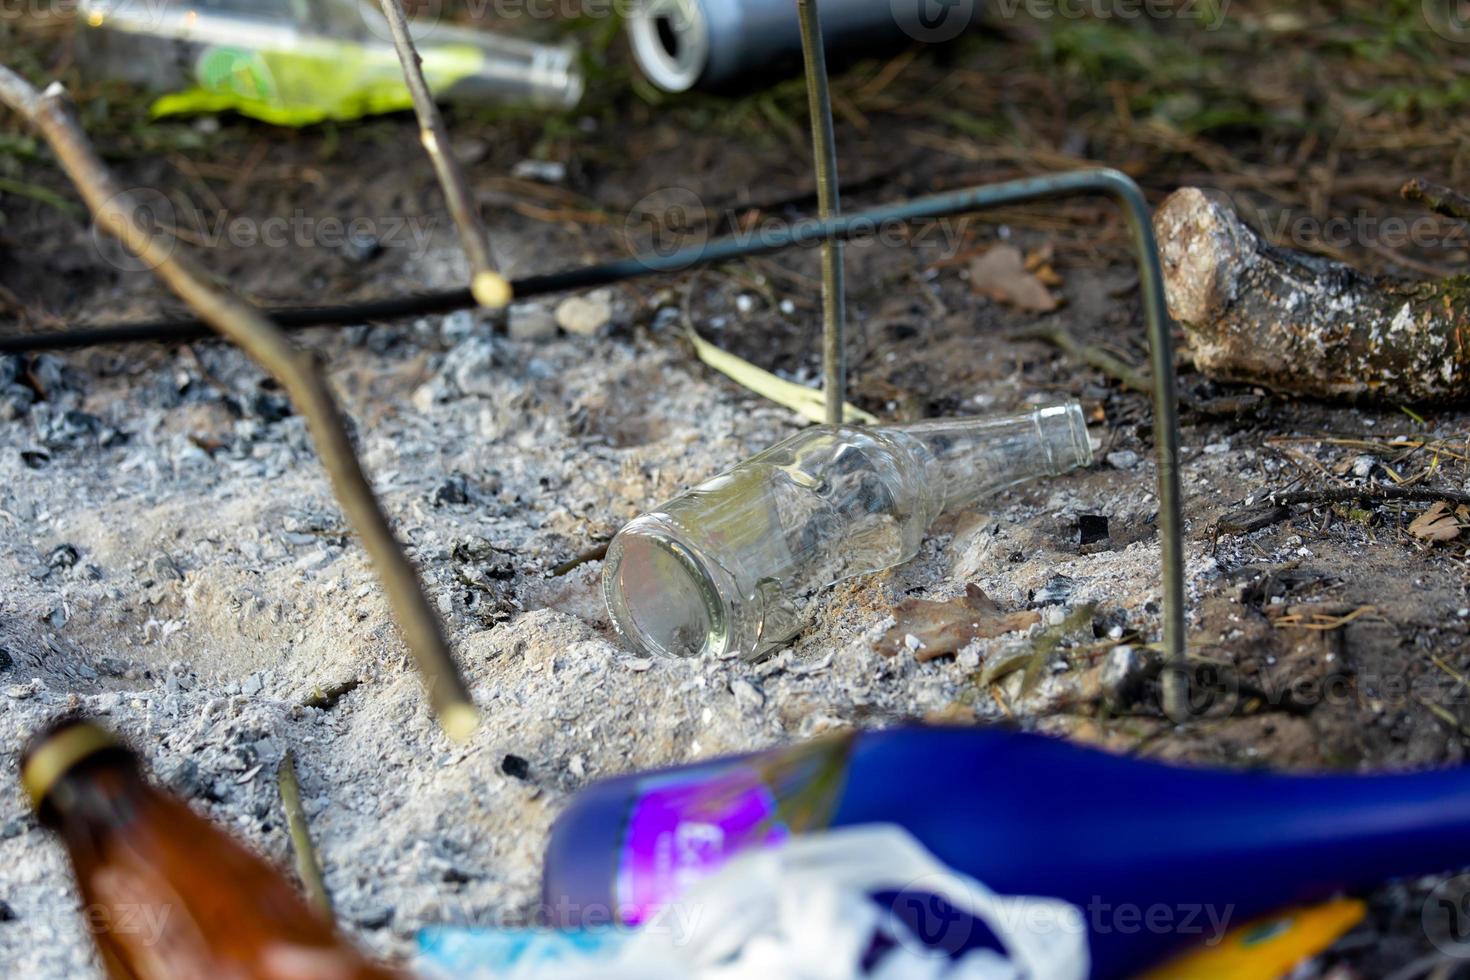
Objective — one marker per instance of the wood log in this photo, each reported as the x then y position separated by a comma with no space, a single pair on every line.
1302,324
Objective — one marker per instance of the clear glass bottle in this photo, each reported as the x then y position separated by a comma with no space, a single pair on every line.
727,568
294,62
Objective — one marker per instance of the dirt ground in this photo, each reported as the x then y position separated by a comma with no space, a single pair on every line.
173,561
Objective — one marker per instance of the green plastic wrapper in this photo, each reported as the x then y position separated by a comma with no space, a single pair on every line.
322,80
295,63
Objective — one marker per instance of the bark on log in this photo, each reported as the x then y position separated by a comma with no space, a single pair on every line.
1302,324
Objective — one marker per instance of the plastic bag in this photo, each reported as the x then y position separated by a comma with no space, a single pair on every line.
801,911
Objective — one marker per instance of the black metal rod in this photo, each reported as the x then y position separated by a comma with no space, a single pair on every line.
288,318
813,231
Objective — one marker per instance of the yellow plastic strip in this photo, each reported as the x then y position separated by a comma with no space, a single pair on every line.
808,402
1267,948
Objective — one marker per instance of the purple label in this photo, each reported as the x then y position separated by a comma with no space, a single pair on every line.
685,828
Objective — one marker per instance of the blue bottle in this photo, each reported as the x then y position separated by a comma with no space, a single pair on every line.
1155,856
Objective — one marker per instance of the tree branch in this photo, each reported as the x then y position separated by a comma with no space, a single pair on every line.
118,212
1304,325
489,287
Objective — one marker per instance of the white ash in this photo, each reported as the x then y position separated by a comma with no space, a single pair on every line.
210,587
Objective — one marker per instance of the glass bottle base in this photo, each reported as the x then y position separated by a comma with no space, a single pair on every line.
661,592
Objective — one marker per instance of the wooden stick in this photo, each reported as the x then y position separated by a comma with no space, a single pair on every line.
829,204
117,211
1302,324
490,288
308,862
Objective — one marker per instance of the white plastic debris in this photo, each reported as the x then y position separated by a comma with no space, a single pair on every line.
801,911
584,315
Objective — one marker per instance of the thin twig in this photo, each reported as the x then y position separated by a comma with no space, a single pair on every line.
1408,261
1444,714
1437,198
595,553
1371,495
1125,374
308,863
1130,377
326,698
1321,622
489,287
829,204
1276,507
118,212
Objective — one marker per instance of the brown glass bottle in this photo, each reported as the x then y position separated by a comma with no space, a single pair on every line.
166,894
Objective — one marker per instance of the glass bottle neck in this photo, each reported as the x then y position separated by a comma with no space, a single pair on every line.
969,459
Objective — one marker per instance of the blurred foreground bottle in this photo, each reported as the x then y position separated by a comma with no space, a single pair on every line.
166,894
727,568
297,62
1157,856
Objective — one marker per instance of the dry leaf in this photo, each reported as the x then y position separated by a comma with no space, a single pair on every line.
1437,523
942,628
1047,275
1038,263
1001,274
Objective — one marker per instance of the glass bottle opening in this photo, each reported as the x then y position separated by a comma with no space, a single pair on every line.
661,595
1063,433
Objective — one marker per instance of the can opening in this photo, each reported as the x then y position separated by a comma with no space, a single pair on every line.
670,42
668,36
